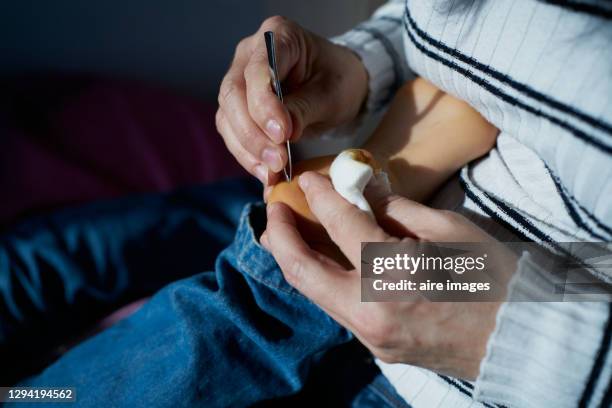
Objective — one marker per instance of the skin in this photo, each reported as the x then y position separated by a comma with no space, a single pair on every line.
325,86
448,338
424,137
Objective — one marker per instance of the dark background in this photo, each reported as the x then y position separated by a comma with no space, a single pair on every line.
186,45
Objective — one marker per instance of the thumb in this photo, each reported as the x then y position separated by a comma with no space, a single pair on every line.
400,216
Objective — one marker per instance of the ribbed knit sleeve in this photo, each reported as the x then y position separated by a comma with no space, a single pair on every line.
546,354
378,42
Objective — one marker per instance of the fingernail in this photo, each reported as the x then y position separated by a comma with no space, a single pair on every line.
275,131
303,181
272,158
261,172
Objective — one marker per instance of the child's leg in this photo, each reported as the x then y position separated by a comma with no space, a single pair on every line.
229,337
424,137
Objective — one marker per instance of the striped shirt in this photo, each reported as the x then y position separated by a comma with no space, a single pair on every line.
541,72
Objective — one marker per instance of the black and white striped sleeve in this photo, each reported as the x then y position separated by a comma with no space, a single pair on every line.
378,42
547,354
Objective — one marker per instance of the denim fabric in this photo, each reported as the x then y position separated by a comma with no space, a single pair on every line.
237,335
379,393
60,273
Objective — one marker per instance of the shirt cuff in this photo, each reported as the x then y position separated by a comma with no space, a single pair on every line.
379,45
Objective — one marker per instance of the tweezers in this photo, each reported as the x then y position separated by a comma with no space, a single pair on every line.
276,85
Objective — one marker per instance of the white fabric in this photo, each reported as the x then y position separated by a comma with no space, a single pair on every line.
503,370
542,74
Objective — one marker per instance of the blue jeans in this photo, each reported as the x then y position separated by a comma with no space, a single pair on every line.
235,335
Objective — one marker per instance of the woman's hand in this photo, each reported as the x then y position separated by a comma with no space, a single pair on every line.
325,85
445,337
